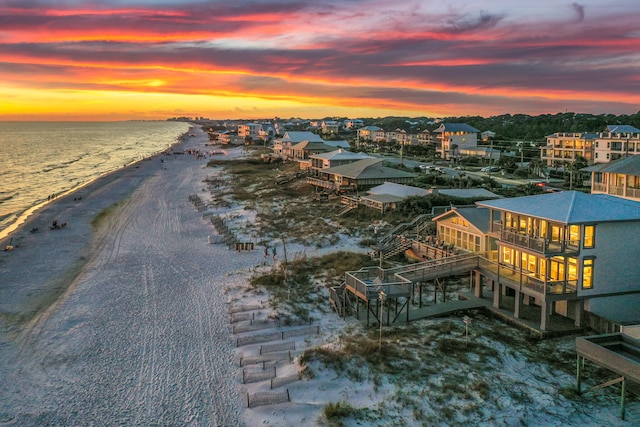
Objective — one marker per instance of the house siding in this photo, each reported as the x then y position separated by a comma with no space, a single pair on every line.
617,262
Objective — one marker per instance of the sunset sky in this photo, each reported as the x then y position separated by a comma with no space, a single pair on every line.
117,59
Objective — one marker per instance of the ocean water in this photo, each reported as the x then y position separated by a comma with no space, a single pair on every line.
40,159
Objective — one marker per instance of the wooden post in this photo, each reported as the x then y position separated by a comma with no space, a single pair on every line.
578,375
622,396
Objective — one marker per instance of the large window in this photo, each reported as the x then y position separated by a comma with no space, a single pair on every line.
557,233
587,273
574,235
589,236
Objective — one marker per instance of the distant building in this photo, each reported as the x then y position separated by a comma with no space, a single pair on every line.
257,131
452,137
356,175
368,133
565,147
353,124
282,145
330,127
617,141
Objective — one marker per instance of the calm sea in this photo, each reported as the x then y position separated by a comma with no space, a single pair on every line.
38,159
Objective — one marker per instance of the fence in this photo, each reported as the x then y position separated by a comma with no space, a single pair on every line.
264,358
279,382
275,336
241,308
267,398
272,348
253,376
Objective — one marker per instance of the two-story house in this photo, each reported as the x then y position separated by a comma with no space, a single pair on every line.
566,252
281,146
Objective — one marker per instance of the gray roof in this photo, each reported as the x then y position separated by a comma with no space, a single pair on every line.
456,127
570,207
622,129
299,136
340,144
478,217
399,190
340,154
624,165
367,168
468,193
371,128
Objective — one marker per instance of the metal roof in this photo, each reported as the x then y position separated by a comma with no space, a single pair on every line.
478,217
340,154
399,190
622,129
299,136
625,165
367,168
468,193
570,207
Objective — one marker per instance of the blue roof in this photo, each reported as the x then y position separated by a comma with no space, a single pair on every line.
622,129
570,207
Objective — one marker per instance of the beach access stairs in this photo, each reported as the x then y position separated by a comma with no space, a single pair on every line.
397,285
399,238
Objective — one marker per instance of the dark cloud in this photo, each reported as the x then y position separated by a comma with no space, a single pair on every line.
579,9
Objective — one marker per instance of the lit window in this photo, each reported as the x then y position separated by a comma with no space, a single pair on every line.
587,273
589,236
574,235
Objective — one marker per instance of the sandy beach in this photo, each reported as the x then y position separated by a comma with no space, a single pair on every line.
125,323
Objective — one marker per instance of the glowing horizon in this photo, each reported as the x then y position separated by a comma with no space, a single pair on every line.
291,58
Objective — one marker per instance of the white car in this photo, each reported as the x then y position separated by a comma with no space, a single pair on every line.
490,169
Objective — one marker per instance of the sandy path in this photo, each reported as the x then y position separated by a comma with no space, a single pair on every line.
142,335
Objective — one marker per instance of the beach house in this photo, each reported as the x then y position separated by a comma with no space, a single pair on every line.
282,145
567,252
362,173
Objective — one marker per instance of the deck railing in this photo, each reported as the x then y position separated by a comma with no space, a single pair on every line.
368,283
538,244
320,182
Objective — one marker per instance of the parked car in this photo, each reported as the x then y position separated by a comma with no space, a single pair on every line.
490,169
460,168
440,170
426,168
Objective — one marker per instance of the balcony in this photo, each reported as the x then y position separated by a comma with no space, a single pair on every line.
539,244
525,280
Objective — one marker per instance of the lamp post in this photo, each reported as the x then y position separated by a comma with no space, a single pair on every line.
466,320
382,297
